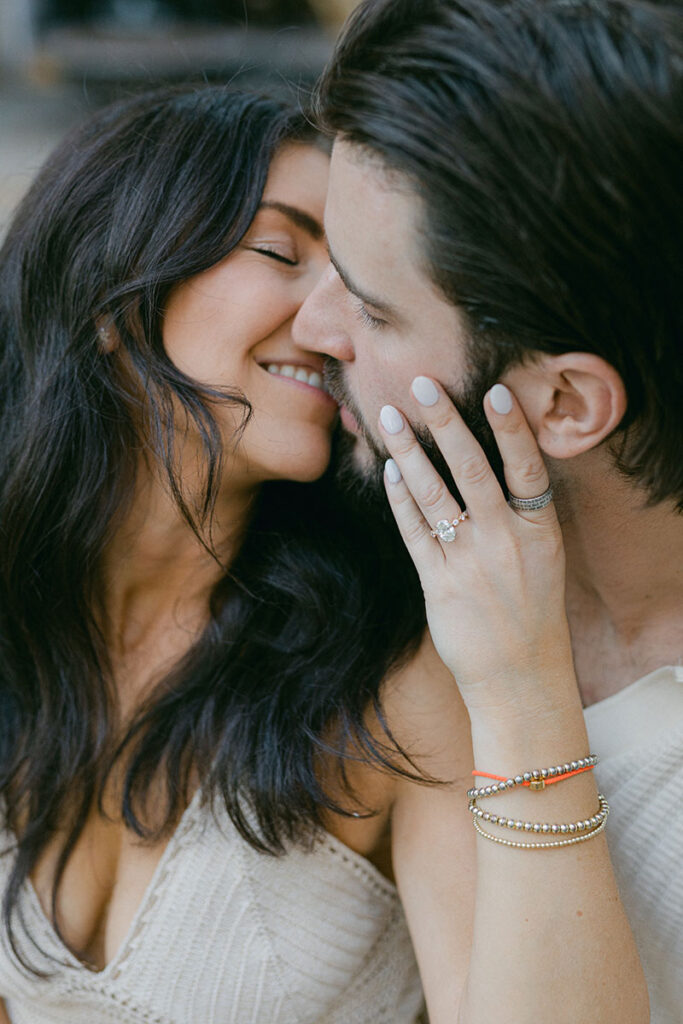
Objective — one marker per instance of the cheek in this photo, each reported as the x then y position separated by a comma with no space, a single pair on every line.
212,341
250,314
385,374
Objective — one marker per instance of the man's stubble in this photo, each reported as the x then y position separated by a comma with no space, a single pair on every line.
360,473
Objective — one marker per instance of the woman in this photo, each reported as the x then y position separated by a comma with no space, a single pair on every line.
184,615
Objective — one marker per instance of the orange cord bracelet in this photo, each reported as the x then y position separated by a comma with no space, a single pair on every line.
539,783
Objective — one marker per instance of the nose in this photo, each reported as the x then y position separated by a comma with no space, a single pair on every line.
319,324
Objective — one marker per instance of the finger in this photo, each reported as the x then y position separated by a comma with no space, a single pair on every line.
464,455
428,490
425,550
525,471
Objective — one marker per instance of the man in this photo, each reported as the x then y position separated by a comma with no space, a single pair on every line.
504,207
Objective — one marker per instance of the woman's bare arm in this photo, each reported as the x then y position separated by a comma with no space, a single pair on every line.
550,939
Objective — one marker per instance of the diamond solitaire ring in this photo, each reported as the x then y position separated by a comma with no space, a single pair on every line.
445,528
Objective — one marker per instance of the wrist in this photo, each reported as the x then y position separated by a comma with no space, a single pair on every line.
519,698
529,728
507,742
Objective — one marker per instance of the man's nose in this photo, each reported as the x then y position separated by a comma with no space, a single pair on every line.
319,326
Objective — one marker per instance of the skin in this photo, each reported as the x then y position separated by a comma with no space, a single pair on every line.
496,609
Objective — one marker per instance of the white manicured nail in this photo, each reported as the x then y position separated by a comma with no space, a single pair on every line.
392,471
501,399
425,391
391,419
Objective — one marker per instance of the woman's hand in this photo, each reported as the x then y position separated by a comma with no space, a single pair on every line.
495,594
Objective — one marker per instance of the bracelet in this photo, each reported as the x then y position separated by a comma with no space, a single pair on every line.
540,846
586,825
535,780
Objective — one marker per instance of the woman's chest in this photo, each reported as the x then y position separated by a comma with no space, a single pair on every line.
110,869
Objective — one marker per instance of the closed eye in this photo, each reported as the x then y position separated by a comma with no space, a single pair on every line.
373,322
274,255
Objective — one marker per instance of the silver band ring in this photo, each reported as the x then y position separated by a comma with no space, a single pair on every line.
445,528
531,504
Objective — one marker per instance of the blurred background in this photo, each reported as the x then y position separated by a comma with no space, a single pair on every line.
60,59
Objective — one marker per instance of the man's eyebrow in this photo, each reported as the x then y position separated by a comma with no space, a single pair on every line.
369,300
302,220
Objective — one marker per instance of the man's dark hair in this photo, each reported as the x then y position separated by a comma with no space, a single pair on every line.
545,139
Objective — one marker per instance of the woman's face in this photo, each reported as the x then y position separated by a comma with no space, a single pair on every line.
231,326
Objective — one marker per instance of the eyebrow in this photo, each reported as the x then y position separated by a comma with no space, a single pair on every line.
370,300
302,220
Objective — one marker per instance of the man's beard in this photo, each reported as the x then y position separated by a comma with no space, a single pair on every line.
364,484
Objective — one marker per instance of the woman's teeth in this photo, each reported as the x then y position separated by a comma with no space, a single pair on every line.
306,376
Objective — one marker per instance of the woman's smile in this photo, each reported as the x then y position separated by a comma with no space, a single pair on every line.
301,374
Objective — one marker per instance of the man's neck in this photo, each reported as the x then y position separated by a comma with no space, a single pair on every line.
624,576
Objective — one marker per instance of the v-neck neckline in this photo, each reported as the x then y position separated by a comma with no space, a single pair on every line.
113,966
362,868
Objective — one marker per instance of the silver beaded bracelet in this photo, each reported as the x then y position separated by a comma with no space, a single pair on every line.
586,825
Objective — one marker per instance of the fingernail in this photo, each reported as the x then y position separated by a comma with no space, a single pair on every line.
501,399
425,391
391,419
392,471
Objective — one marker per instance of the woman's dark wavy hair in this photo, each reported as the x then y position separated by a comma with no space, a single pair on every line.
150,192
546,140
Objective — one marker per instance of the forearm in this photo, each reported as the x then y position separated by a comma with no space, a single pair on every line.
4,1016
551,939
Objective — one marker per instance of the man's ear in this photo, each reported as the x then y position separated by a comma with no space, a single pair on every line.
572,401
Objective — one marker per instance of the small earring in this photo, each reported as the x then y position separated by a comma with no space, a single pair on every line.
106,336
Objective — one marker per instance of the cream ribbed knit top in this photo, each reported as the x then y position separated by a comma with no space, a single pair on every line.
638,734
225,935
